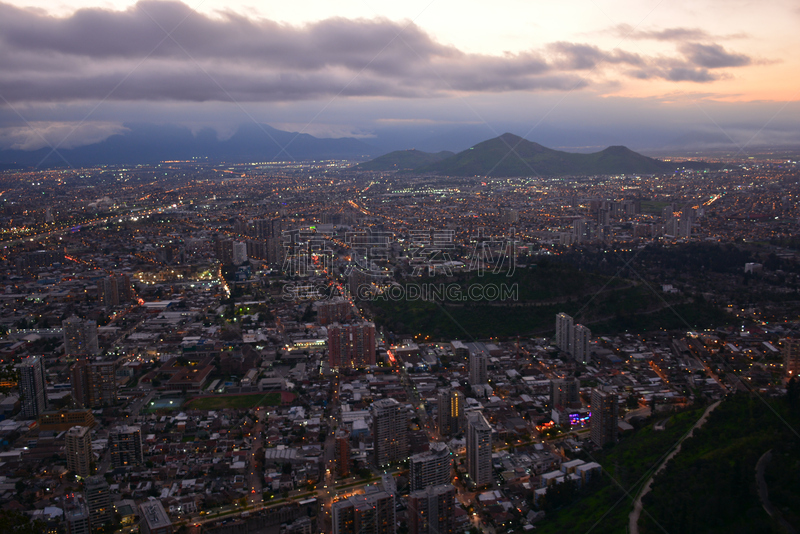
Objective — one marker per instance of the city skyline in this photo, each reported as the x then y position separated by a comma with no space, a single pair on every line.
265,342
421,268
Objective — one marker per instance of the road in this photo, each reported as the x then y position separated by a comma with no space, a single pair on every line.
256,497
135,407
633,518
416,401
127,331
327,488
712,374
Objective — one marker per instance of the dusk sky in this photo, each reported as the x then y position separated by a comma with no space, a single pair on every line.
649,74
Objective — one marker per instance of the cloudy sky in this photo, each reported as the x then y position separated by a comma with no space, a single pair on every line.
647,73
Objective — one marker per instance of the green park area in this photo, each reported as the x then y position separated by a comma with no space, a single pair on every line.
606,304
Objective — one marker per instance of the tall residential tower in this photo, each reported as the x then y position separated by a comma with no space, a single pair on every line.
479,449
389,431
79,450
605,416
32,385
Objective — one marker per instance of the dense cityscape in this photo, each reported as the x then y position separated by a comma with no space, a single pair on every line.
421,267
313,347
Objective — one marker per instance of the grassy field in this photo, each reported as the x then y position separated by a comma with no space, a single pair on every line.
165,404
653,207
250,400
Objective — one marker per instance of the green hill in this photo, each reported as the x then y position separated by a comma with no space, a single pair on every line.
622,160
510,155
404,160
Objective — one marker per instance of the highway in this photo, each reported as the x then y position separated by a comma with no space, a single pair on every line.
326,490
255,496
44,232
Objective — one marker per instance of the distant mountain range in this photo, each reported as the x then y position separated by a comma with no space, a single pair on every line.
148,143
506,155
511,155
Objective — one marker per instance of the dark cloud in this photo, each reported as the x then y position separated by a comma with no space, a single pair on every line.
695,66
687,74
185,81
668,34
574,56
627,31
166,51
172,30
712,56
674,73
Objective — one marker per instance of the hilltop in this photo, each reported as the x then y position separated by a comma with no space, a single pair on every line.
511,155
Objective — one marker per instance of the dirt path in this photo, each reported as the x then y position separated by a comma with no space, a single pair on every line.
633,519
763,493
